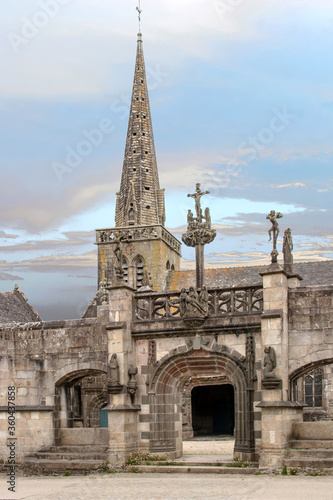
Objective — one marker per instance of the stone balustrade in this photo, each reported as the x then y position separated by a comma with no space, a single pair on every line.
157,306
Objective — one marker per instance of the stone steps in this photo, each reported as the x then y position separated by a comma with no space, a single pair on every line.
78,449
313,452
35,465
45,455
59,459
309,463
195,469
311,455
312,443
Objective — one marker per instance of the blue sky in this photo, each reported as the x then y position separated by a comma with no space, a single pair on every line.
241,98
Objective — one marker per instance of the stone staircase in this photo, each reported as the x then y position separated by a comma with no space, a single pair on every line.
311,447
81,450
200,457
61,459
207,465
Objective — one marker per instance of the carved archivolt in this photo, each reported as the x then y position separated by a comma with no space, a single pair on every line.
206,344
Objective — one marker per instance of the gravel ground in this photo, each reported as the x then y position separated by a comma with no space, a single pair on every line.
174,486
170,487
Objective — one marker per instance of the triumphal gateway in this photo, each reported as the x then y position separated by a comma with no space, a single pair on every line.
162,355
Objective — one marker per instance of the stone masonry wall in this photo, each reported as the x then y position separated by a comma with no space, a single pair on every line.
35,357
310,326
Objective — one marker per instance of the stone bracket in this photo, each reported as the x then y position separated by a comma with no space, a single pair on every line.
280,404
122,408
115,389
271,383
272,314
117,325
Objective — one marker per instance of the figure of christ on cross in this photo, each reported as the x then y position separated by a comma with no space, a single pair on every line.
197,198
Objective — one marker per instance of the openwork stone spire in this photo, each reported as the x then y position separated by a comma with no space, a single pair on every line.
140,200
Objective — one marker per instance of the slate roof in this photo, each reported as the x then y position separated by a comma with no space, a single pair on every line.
14,308
313,273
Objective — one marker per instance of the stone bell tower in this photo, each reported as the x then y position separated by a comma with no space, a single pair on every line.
139,250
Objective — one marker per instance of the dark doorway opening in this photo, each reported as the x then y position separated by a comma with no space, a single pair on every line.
213,410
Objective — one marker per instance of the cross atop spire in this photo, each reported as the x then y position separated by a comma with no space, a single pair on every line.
140,200
138,8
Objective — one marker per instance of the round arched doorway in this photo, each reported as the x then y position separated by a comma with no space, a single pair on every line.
171,389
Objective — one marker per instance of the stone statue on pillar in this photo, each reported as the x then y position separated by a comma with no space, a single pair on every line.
270,380
287,251
273,216
118,252
199,233
269,362
114,386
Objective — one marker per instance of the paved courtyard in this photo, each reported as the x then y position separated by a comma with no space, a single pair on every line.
171,487
174,486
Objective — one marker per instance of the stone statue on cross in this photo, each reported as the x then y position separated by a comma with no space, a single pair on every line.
199,233
197,198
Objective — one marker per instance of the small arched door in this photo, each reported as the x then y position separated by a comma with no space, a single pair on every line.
103,418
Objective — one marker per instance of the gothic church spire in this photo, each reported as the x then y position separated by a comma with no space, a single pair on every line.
140,201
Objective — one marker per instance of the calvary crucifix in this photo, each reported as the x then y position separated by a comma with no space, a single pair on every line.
199,233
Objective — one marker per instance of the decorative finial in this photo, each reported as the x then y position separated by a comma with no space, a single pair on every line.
138,8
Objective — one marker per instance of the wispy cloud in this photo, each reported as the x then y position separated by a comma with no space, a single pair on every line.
8,236
290,185
55,263
9,277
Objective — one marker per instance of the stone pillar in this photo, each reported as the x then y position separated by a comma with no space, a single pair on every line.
274,329
199,265
278,413
122,414
277,419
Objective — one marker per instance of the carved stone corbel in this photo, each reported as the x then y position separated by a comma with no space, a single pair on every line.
132,385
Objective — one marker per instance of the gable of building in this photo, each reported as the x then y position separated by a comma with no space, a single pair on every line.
14,308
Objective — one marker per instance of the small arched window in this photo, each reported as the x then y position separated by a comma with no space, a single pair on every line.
131,216
313,388
77,402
